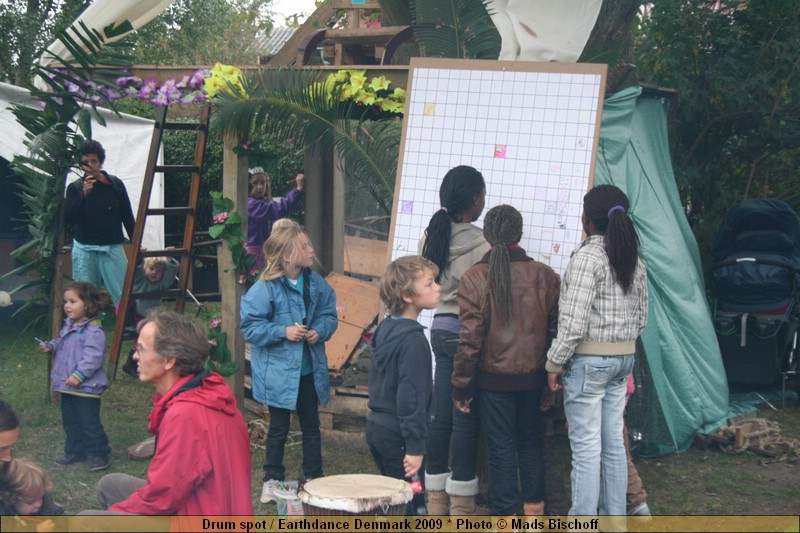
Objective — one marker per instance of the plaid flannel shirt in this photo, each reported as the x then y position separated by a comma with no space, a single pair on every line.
593,307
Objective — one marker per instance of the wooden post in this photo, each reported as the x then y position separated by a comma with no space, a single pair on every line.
319,210
337,220
234,186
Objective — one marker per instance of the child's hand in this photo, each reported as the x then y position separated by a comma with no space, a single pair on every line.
297,332
412,464
300,180
169,249
47,526
463,406
45,347
72,381
312,337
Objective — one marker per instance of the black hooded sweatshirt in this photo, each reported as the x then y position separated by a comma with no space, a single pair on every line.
400,381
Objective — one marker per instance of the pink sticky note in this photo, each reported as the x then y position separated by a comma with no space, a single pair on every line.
500,151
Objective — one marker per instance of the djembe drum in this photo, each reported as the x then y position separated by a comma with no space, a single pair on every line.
355,494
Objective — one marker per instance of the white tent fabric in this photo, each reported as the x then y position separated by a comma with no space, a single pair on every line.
103,13
126,140
543,30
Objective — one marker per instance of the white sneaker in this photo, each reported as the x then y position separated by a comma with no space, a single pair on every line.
640,510
268,491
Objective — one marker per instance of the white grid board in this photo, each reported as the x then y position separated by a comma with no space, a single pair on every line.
531,129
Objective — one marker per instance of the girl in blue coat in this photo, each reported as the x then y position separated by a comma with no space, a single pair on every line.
286,317
78,374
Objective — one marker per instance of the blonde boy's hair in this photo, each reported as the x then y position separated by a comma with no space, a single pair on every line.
27,480
399,278
281,243
156,262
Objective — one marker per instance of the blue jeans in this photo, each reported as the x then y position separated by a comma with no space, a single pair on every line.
594,401
447,421
512,423
102,265
279,419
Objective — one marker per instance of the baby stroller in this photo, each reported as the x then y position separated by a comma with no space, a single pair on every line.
756,279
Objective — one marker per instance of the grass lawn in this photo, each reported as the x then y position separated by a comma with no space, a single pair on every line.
699,481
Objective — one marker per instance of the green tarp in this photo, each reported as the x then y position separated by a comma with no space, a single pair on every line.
682,384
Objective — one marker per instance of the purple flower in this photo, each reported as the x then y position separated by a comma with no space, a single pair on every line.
170,92
126,81
159,100
184,82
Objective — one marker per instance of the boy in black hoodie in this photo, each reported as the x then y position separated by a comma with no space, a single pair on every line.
400,379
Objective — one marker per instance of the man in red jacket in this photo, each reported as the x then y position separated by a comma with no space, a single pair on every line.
201,464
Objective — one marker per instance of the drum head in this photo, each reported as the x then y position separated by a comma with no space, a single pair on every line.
355,493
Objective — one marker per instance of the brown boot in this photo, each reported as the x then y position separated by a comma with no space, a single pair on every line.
533,508
437,499
462,496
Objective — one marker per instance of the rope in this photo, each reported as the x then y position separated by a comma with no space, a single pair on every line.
764,435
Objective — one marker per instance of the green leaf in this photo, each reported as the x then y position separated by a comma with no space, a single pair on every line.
216,230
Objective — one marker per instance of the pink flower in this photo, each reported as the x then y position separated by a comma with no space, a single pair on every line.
253,271
220,218
215,322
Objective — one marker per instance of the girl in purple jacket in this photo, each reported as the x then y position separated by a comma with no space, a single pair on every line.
78,375
263,211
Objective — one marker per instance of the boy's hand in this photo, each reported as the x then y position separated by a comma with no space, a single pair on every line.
412,464
312,337
296,333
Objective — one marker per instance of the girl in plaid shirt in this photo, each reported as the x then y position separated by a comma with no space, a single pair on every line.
602,310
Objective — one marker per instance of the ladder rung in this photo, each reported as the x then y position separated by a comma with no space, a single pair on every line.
184,126
158,253
176,168
188,210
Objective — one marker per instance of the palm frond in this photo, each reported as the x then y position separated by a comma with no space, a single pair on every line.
455,29
53,132
293,104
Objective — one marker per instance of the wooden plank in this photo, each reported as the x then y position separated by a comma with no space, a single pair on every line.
341,345
346,405
365,256
357,301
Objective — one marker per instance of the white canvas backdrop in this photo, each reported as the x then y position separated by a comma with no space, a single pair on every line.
126,140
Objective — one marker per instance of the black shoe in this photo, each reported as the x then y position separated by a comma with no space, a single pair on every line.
98,463
70,458
132,371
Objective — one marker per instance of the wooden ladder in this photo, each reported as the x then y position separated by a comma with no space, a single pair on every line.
189,210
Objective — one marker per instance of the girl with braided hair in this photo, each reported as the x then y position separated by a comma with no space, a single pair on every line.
509,311
603,309
453,243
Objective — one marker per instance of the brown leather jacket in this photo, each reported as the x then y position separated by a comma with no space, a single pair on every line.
506,356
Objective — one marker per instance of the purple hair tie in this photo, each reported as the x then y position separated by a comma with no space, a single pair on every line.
615,208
